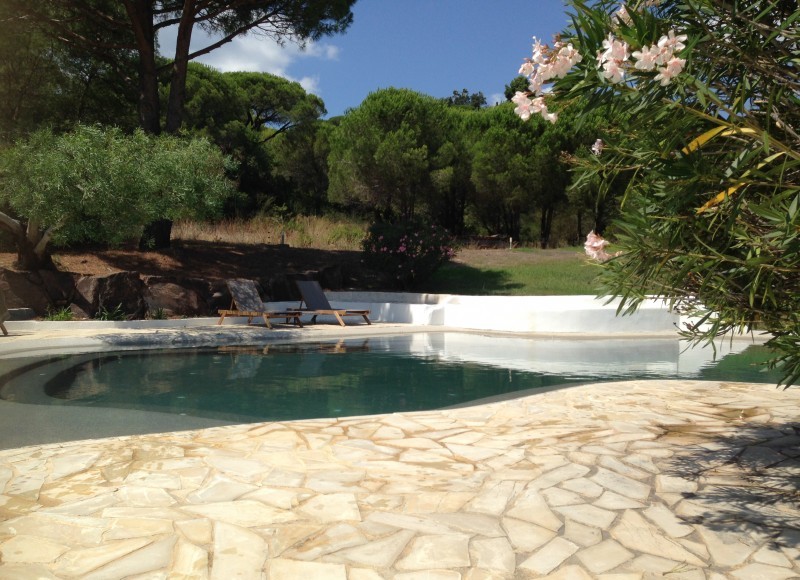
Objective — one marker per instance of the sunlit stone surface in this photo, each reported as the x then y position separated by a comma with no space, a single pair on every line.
673,479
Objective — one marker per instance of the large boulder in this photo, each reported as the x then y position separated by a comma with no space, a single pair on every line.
26,290
121,291
176,296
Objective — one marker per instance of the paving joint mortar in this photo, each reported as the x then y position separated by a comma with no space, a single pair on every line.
637,479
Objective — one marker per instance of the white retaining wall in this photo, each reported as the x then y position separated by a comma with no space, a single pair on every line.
532,314
528,314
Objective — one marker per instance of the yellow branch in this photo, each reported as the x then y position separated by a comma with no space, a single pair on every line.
717,199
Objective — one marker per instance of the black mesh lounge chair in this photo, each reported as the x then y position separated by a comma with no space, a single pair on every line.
247,302
316,303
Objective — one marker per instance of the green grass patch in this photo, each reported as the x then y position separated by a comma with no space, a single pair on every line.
538,274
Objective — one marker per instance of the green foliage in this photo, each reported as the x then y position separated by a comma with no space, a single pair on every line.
45,82
554,274
256,118
711,164
384,153
466,99
518,84
59,315
158,314
97,184
502,174
116,313
409,253
346,234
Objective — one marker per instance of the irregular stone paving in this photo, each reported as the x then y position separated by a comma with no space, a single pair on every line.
673,479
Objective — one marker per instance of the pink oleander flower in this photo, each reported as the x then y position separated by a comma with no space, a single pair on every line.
672,69
613,58
538,105
613,71
671,42
647,58
595,247
615,49
523,108
623,16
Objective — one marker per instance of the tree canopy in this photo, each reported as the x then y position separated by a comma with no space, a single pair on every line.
384,152
100,185
111,31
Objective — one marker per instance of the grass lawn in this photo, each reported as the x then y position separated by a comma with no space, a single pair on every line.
519,272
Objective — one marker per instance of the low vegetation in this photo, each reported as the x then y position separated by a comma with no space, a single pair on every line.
522,272
319,232
481,272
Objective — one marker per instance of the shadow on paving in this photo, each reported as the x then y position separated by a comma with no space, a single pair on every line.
748,481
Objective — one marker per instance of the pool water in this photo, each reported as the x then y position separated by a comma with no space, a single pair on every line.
360,376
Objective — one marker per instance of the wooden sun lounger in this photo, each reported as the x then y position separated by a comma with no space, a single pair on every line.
316,303
3,308
247,302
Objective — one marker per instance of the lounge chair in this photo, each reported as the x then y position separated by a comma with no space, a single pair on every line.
247,302
3,308
316,303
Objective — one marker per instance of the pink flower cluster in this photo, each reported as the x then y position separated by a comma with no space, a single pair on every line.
545,64
550,63
595,247
612,59
660,56
623,16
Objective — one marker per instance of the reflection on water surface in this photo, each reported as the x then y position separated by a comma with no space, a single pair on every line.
359,377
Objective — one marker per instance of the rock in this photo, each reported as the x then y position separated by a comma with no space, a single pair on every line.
281,288
60,286
26,290
331,277
177,296
121,290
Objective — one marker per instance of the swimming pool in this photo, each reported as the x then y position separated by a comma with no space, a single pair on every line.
191,387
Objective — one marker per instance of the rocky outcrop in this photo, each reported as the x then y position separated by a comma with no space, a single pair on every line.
131,295
118,294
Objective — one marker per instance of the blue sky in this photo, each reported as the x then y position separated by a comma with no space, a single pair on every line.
430,46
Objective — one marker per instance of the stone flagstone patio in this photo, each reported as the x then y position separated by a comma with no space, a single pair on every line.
650,479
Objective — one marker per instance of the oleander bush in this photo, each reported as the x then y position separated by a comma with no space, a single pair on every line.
408,253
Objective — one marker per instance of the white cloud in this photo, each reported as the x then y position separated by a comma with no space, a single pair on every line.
256,53
497,98
310,84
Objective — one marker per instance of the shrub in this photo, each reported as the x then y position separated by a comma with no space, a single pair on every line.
59,315
117,313
408,252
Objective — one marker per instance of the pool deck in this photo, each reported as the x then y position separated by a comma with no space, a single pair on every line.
629,480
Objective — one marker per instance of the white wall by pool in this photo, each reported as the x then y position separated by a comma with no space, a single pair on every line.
585,315
530,314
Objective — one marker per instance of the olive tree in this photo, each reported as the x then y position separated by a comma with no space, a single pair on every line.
99,185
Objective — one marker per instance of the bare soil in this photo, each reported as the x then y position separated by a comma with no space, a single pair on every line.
222,260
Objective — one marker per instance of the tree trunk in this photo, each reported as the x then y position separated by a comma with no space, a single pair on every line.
156,235
140,13
546,226
29,260
177,85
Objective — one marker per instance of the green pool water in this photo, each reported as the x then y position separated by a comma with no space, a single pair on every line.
356,377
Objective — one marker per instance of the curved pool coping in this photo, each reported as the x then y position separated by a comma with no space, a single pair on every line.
567,483
67,423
